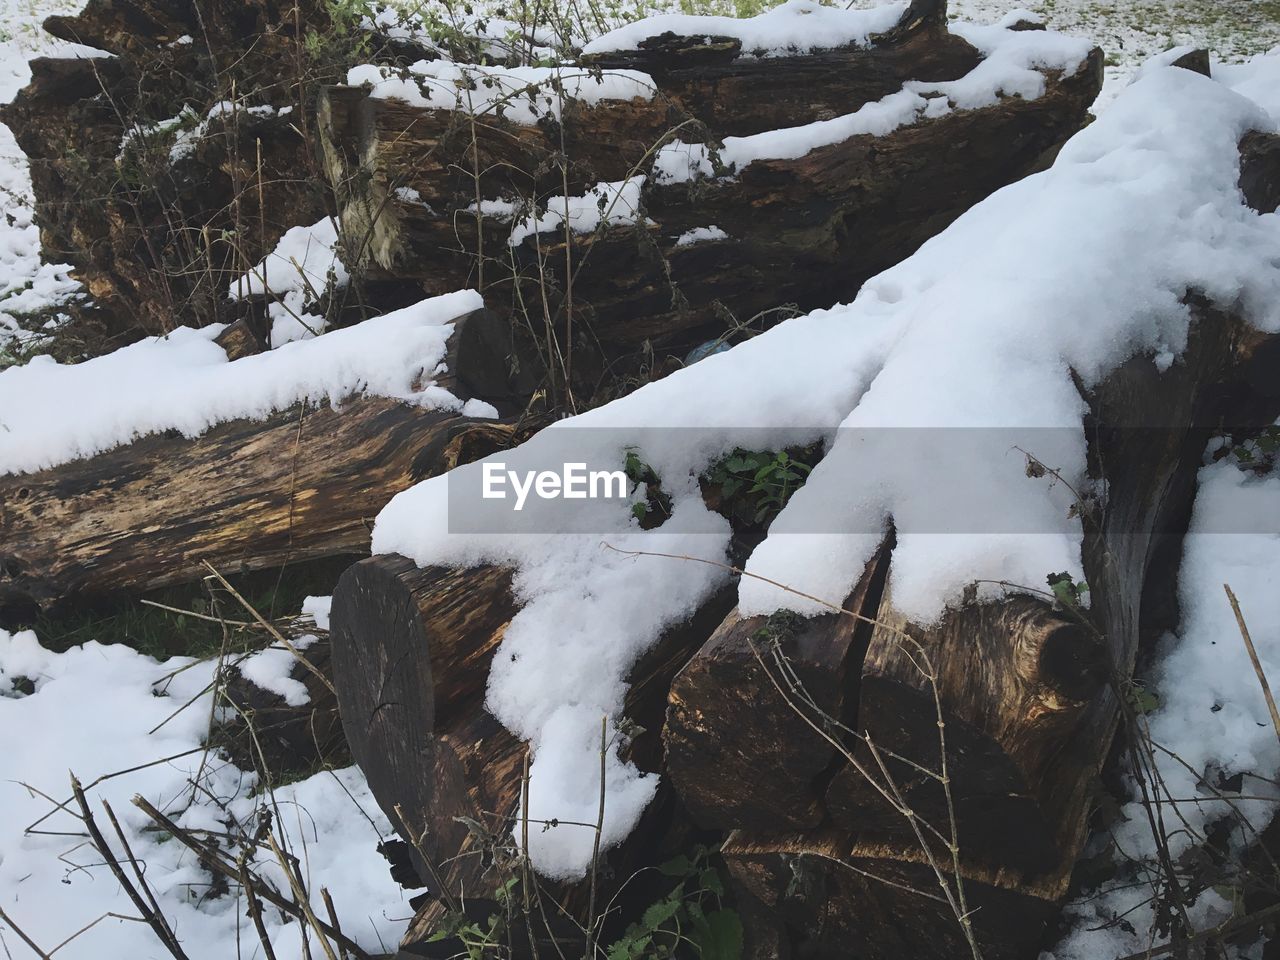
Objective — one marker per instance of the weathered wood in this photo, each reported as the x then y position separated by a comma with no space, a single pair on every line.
1014,677
826,895
1028,693
1024,690
244,495
157,236
715,81
807,231
412,650
741,748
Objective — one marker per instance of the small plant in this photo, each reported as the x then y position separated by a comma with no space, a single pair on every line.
656,506
693,914
1258,454
1069,592
758,484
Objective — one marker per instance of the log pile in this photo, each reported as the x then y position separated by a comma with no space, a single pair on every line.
807,231
883,788
159,235
852,765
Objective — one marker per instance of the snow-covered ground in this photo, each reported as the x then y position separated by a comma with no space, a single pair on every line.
50,882
107,711
27,286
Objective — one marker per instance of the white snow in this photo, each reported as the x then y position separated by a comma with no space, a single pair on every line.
521,94
605,203
980,329
100,709
27,284
1211,712
272,669
700,235
795,27
51,413
305,261
1013,66
317,608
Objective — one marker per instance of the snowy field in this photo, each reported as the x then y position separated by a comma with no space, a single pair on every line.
52,705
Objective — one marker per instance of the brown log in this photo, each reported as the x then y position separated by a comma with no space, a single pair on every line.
716,81
301,484
827,895
1026,688
807,231
412,650
741,749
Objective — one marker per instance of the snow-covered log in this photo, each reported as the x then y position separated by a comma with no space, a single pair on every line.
1026,688
168,165
128,472
411,650
695,175
1027,414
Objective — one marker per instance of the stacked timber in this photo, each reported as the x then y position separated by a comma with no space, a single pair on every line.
447,193
882,788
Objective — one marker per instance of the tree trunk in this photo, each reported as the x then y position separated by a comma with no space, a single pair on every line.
805,231
411,651
1027,689
741,748
248,494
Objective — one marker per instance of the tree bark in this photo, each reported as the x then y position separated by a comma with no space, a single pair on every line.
806,231
1028,688
245,495
412,650
826,894
716,82
740,741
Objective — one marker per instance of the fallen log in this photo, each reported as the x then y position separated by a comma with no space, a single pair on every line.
411,650
413,183
826,894
717,82
247,494
734,717
151,174
979,739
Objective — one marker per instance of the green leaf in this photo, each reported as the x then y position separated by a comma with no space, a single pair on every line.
709,879
720,936
639,510
629,947
680,866
662,911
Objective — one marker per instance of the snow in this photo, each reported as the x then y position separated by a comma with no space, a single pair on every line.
317,608
271,670
302,262
29,286
102,709
1218,723
520,94
51,413
605,203
700,235
795,27
1013,65
982,328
